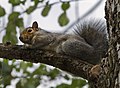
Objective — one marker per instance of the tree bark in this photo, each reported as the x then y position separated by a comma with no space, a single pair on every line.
110,73
66,63
113,24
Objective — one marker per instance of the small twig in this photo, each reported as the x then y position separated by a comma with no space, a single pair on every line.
58,2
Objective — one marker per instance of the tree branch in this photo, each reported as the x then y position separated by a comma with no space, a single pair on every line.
66,63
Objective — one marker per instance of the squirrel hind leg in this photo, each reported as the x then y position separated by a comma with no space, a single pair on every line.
76,48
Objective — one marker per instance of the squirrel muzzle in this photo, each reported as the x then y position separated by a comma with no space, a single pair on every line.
25,39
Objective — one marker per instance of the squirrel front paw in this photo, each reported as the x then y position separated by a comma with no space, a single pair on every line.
95,72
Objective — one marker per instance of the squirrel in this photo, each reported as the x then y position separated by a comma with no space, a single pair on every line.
89,41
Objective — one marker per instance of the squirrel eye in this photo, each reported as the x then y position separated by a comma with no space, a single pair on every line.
29,30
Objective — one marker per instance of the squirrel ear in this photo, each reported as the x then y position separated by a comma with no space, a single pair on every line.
35,25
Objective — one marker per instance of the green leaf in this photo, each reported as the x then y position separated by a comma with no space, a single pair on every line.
53,73
23,2
13,22
63,19
6,80
63,85
6,70
10,33
30,9
65,6
33,83
19,85
13,16
20,23
15,2
66,77
11,28
30,82
2,11
36,2
46,10
40,71
23,65
78,83
29,64
12,38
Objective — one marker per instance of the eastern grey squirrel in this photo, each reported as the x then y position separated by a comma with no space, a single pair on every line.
89,43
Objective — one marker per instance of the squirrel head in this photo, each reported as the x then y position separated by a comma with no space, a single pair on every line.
27,34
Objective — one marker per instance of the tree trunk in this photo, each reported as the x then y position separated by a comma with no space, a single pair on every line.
110,73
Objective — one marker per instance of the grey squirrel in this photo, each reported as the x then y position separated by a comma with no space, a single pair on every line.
89,43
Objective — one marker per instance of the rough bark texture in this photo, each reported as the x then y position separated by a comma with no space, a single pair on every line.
69,64
113,63
110,73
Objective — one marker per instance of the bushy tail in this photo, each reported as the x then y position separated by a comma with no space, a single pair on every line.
94,33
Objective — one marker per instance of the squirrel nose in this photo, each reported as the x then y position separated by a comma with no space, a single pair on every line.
21,38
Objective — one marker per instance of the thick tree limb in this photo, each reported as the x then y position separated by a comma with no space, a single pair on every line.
72,65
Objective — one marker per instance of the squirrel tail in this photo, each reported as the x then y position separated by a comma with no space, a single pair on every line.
95,34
